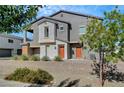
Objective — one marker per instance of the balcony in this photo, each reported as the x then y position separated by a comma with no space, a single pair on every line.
28,36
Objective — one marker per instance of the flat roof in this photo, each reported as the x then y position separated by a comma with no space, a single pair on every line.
11,36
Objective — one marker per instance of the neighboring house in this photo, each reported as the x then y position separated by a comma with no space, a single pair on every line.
10,45
58,34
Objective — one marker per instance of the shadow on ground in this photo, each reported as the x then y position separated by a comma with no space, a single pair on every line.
65,83
111,74
68,83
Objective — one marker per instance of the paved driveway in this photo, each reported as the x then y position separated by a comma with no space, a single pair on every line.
74,70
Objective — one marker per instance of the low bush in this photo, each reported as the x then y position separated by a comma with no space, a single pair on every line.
18,74
45,58
24,57
30,76
57,58
35,58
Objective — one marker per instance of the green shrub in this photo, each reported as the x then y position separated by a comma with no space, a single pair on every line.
18,74
30,76
40,77
24,57
57,58
35,58
15,57
45,58
45,75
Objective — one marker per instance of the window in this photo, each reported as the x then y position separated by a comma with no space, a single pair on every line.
61,28
46,31
10,41
82,30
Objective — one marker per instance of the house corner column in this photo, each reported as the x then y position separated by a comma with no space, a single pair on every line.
25,36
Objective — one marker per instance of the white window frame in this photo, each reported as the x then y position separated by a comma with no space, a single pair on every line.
60,27
83,26
45,32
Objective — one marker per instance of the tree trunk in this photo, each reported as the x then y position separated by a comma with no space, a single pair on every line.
101,56
103,66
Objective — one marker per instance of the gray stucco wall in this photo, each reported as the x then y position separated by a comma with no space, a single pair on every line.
73,34
51,34
62,35
75,21
35,34
4,44
38,26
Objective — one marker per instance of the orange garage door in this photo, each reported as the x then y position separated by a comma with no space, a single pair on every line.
78,52
61,51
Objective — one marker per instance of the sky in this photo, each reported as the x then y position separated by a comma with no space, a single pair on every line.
85,9
95,10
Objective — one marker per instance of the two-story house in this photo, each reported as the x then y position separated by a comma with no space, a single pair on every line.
58,35
10,45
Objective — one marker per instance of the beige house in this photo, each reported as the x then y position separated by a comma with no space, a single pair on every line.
58,35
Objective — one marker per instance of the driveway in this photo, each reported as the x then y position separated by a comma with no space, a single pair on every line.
78,70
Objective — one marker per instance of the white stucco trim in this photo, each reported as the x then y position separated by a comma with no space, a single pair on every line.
52,50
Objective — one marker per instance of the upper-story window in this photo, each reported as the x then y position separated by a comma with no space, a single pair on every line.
82,30
61,28
46,31
10,41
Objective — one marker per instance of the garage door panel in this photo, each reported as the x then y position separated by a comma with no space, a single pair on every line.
5,52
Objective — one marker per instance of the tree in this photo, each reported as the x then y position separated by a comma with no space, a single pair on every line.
16,18
106,37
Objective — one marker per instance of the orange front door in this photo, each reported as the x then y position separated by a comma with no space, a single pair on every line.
61,51
78,52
